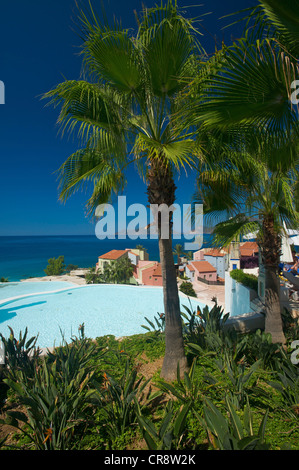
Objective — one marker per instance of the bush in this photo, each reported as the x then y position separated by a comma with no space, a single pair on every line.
240,393
248,280
56,397
55,267
187,288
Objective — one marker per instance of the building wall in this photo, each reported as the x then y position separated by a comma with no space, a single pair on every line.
209,276
189,274
102,261
149,279
134,258
143,256
198,255
142,267
219,262
237,297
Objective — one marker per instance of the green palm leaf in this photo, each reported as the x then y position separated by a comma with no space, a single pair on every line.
253,88
284,18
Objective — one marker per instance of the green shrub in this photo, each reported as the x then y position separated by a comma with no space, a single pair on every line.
228,432
187,288
118,400
55,397
248,280
20,354
55,267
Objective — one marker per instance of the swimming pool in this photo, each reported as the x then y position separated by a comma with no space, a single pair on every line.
13,289
104,309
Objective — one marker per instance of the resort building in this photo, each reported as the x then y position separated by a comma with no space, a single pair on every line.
219,259
142,254
201,271
152,275
190,272
234,256
108,258
134,254
249,255
140,268
145,272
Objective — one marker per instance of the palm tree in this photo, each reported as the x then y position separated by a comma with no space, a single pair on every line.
254,193
250,84
242,107
123,114
179,252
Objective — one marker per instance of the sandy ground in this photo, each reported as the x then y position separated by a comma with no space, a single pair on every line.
205,293
80,281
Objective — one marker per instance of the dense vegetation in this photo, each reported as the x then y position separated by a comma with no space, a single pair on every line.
241,391
248,280
56,267
187,288
116,272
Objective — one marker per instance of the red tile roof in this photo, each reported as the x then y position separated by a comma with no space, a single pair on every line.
203,267
214,252
113,254
249,249
190,267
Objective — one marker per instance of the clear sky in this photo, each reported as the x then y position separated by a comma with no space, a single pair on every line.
38,49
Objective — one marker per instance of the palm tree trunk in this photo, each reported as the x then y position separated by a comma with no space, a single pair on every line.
270,245
161,190
273,320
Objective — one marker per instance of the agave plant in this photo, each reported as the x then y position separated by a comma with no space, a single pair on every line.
20,354
226,431
169,435
119,400
55,397
286,383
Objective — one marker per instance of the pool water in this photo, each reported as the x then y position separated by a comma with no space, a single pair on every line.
13,289
104,309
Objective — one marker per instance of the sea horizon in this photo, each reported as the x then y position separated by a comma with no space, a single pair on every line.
26,256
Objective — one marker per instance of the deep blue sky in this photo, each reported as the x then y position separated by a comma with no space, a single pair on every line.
38,47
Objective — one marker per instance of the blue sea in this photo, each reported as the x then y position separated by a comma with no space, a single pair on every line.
22,257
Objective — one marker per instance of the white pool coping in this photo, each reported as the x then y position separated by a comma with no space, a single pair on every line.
76,286
24,296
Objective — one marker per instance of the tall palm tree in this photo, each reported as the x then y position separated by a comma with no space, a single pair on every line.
243,104
254,193
122,112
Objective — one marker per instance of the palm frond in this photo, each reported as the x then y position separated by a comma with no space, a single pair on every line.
90,169
233,229
252,88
